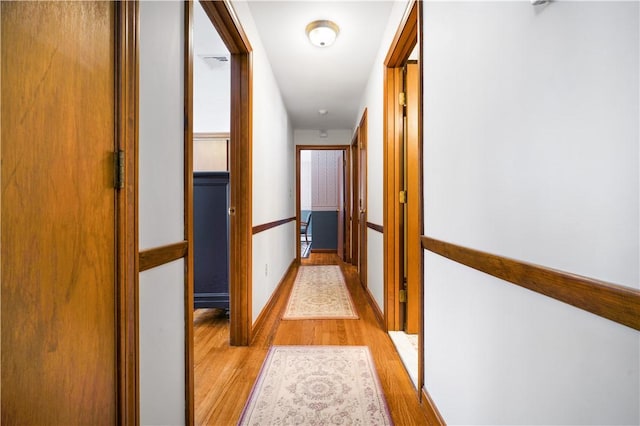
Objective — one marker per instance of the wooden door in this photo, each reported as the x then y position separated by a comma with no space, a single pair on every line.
355,199
413,248
58,213
340,170
362,195
348,182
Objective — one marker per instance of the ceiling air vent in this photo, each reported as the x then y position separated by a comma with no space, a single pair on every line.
215,61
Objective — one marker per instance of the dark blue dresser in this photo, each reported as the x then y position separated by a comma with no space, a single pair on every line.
211,239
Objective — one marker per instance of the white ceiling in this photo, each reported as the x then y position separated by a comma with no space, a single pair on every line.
312,78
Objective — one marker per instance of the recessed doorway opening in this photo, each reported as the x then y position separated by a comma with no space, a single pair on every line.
322,188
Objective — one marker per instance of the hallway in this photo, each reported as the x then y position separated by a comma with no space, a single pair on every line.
224,375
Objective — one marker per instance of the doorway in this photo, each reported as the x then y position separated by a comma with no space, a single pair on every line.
211,185
403,193
236,147
239,156
322,191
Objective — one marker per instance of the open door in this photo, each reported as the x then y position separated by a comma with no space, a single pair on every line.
59,214
341,191
355,197
412,231
402,160
362,198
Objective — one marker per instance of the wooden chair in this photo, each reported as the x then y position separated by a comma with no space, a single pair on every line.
304,227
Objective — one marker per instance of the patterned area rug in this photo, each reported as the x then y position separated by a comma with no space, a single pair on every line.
319,292
317,385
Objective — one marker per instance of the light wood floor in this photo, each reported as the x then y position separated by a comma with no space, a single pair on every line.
224,375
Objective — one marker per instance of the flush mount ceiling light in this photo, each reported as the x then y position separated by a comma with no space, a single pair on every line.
322,33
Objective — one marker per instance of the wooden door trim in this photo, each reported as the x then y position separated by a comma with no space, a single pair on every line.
228,26
345,150
224,19
409,34
188,213
127,65
405,38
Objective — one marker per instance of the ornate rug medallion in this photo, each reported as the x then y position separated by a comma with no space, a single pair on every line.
317,385
319,292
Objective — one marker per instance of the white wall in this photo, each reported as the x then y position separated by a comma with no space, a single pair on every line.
273,250
312,137
305,180
162,362
373,101
375,266
212,84
273,172
531,137
161,129
161,211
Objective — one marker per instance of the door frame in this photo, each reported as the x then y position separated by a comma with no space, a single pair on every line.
127,341
347,191
408,35
226,23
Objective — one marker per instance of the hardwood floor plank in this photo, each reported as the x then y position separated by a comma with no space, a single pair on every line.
224,375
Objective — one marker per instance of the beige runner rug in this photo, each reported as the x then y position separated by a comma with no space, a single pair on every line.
320,292
317,385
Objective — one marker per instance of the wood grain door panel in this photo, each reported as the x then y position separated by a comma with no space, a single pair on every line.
58,213
355,199
413,251
362,193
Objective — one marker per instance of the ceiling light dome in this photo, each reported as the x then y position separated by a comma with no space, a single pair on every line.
322,33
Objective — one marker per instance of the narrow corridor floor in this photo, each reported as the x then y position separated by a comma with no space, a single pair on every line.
224,375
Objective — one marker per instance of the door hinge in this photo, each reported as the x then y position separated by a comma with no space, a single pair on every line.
118,168
403,197
402,295
402,98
